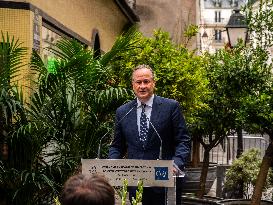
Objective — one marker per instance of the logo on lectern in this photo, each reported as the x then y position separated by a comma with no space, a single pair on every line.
161,173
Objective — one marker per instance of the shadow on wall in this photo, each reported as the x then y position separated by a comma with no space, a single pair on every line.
145,12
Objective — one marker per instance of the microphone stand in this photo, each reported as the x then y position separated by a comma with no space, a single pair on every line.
99,149
98,155
160,148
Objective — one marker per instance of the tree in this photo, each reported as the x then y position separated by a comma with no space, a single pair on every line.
233,75
259,110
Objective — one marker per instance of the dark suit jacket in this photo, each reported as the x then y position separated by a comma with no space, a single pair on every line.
169,123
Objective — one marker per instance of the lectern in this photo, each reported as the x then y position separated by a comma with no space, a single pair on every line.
153,173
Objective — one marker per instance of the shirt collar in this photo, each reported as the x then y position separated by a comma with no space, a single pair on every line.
149,103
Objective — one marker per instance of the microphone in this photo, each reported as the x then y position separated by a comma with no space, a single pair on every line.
160,148
99,149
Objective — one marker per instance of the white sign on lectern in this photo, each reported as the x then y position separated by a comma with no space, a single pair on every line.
156,173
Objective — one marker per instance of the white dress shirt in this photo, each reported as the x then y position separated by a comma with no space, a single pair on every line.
148,111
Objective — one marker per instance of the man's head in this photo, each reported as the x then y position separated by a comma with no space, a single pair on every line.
87,190
143,82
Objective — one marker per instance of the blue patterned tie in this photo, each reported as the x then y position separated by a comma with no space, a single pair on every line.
143,125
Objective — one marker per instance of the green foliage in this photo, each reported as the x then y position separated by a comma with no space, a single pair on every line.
244,169
12,56
12,110
233,77
190,32
139,193
56,200
260,25
68,112
124,193
257,108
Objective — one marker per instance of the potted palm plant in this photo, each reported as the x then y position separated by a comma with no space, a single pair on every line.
68,111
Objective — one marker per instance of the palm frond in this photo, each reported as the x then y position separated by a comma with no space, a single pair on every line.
122,43
106,96
37,65
12,56
10,104
66,49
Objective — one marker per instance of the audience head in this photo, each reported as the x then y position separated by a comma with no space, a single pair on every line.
87,190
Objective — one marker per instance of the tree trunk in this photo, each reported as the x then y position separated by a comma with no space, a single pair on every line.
240,149
240,145
266,163
204,173
195,152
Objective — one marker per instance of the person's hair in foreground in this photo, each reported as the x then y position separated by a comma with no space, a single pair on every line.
87,190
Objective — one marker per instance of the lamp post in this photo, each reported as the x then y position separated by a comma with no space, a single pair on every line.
205,35
236,28
204,40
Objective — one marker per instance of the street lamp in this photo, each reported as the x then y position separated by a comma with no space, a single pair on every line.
236,28
205,35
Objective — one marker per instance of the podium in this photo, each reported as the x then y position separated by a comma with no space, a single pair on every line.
153,173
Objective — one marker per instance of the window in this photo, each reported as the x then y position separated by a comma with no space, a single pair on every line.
218,35
49,38
217,3
96,43
233,3
217,16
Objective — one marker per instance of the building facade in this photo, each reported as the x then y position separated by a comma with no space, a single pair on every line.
213,16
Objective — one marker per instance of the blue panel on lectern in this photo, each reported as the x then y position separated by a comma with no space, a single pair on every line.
161,173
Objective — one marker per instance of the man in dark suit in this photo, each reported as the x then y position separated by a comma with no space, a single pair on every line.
136,135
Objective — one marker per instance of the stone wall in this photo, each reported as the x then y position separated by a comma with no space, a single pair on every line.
172,17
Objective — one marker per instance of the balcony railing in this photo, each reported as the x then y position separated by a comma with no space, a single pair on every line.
218,40
216,21
226,152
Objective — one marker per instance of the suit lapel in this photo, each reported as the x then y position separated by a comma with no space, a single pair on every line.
133,119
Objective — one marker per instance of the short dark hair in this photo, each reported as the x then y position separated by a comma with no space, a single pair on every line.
87,190
143,66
